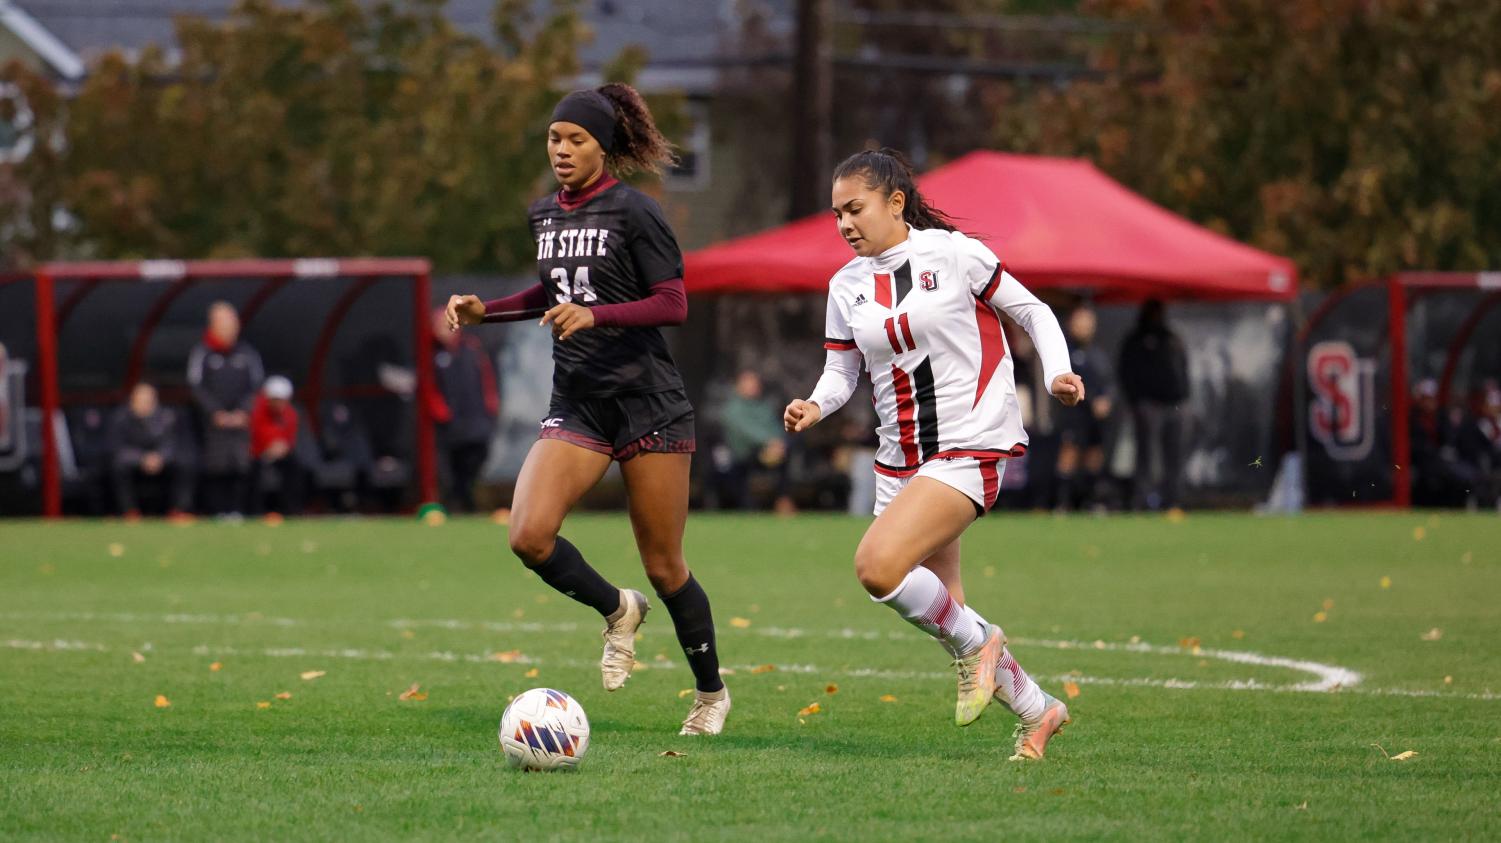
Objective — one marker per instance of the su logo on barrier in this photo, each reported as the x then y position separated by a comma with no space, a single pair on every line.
1343,415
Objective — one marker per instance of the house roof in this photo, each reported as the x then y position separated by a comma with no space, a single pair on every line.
685,39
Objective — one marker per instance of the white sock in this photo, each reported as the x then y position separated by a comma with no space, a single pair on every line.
923,600
1017,690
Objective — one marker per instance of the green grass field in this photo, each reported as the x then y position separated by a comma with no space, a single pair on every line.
1171,740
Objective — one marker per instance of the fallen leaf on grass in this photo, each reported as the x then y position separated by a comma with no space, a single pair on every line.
1386,582
531,674
1403,756
765,668
408,634
1328,603
888,698
1238,634
162,701
831,689
414,693
810,709
1320,617
740,623
116,549
1189,643
215,667
1302,807
1419,533
137,657
1432,634
507,657
263,704
1448,680
671,753
310,675
685,692
1071,689
284,695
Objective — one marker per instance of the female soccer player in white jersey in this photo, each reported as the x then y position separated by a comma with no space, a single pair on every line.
921,304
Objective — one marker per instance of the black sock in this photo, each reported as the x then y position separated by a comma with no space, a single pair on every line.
689,608
567,572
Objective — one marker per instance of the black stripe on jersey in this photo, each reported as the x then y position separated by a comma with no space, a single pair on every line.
903,282
836,344
927,408
993,283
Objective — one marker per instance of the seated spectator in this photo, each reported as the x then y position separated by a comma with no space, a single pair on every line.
1479,444
225,374
143,439
273,440
1439,476
753,441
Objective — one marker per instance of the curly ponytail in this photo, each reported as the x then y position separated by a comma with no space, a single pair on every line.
638,146
888,171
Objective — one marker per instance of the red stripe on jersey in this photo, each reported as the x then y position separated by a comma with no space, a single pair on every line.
883,290
888,471
906,409
838,345
992,482
907,333
961,453
896,344
992,345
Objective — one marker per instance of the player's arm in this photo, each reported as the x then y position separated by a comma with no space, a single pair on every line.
466,310
841,374
990,282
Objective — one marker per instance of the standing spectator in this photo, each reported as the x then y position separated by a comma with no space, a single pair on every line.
1084,429
468,402
753,440
1154,377
225,374
143,441
273,447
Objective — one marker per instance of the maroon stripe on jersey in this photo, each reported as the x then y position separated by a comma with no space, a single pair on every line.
907,333
906,410
896,345
963,453
836,344
993,283
883,289
892,471
992,345
992,482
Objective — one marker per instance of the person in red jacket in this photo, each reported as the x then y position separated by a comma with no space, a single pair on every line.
273,440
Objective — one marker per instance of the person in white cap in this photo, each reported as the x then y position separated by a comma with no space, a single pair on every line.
273,440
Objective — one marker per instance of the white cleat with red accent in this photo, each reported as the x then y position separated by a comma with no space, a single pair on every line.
1032,738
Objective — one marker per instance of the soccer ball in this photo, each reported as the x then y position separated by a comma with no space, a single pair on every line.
544,729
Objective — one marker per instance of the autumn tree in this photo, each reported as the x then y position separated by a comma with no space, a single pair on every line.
1357,137
322,128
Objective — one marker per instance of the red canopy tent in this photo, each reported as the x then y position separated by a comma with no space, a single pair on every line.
1054,222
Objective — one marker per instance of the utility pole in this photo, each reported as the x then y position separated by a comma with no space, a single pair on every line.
811,131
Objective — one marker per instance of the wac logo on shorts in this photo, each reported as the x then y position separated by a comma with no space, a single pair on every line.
1343,415
929,280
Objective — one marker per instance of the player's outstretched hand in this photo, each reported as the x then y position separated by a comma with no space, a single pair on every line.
568,319
464,310
1069,389
801,415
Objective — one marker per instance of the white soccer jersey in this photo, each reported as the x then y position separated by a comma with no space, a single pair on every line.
925,316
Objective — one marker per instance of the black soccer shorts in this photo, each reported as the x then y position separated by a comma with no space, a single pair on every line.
623,425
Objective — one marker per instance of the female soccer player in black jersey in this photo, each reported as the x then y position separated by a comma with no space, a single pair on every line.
609,275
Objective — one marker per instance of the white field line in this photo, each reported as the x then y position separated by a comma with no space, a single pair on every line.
491,657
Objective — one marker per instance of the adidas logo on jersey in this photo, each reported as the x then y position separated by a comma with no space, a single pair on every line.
859,300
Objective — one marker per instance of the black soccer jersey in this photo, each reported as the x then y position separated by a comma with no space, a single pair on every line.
610,249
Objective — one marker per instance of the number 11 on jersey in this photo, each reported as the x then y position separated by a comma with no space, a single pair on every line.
580,287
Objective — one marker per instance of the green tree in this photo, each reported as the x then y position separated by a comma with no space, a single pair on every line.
1356,137
325,128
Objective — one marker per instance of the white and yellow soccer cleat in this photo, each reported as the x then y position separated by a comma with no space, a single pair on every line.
620,638
710,708
977,678
1032,738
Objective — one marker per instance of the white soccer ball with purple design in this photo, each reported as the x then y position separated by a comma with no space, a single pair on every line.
544,729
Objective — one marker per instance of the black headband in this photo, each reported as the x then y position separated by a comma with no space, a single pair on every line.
593,111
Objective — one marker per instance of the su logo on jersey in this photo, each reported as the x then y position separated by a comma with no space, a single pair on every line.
1342,417
928,280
